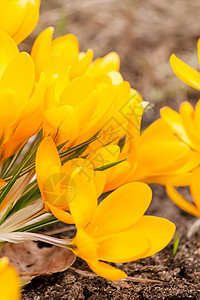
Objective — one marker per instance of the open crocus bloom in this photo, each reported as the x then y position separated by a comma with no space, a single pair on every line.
82,96
155,156
116,230
185,125
19,18
77,109
59,185
9,281
19,97
179,200
77,63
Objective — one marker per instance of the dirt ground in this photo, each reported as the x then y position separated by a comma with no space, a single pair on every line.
145,34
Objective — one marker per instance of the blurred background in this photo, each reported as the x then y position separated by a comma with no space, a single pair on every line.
143,33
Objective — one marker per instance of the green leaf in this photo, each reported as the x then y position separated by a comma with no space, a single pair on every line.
176,244
16,174
110,165
40,224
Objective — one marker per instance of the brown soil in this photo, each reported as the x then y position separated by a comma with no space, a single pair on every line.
144,33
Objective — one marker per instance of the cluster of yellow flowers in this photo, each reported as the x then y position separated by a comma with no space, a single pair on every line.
83,122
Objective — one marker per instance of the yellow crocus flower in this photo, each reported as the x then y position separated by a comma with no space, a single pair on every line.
19,97
9,281
76,109
66,46
77,63
155,156
82,96
19,17
185,125
184,72
60,184
116,231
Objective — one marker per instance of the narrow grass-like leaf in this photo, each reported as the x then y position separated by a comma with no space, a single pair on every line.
40,224
176,244
16,174
110,165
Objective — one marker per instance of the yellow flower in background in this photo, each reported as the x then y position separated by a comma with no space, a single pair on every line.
59,185
66,46
9,281
116,230
184,72
77,109
19,17
155,156
181,201
77,63
186,125
82,96
19,97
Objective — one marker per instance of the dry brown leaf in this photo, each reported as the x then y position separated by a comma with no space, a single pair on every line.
31,261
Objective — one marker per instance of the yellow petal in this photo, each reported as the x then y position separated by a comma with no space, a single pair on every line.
169,179
76,91
118,176
60,214
9,281
187,113
104,156
8,50
107,271
102,112
47,156
20,76
123,247
27,127
120,209
79,67
84,204
174,120
195,187
57,190
83,246
192,162
99,180
116,77
198,50
197,115
86,108
30,21
181,201
159,232
12,15
104,65
111,62
184,72
63,119
41,50
70,166
67,47
9,109
161,157
56,69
